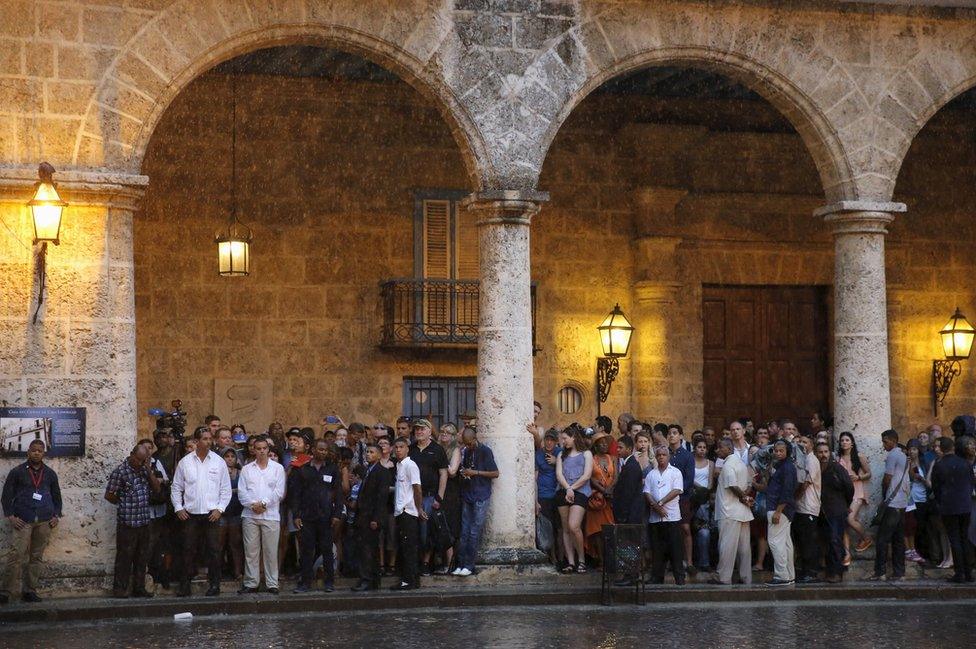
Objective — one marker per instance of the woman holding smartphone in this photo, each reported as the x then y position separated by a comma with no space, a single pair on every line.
574,468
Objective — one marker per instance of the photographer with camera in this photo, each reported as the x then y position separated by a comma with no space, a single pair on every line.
130,486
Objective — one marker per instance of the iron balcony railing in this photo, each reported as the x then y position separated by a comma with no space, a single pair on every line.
433,313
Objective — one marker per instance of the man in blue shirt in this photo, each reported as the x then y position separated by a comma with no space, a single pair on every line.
477,471
32,504
780,507
546,485
684,461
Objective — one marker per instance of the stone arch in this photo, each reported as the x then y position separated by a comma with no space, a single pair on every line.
818,134
193,36
914,123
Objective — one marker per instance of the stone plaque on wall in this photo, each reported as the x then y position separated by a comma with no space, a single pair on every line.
244,401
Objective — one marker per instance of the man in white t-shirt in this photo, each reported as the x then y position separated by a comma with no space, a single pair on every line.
806,532
260,489
662,487
409,511
733,512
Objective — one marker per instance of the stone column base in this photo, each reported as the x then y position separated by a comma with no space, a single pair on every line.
511,556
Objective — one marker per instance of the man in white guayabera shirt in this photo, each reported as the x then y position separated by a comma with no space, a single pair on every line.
200,494
260,490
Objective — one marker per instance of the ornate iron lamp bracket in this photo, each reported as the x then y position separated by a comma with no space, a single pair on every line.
943,372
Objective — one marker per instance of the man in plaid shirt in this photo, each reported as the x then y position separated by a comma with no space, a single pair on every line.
129,487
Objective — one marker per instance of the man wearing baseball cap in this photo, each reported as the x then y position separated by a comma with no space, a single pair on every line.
432,462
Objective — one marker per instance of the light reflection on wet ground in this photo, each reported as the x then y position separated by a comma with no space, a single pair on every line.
866,625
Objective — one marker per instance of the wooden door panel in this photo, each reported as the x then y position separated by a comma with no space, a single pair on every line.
713,318
714,382
742,325
765,352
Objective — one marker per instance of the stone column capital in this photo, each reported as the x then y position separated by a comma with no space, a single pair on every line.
655,292
77,187
859,217
506,206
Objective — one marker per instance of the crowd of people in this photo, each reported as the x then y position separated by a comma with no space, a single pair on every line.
756,497
373,501
353,500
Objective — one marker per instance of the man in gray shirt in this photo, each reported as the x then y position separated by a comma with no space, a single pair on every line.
894,492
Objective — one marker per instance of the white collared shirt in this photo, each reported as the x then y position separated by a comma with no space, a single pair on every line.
659,484
408,475
201,486
257,485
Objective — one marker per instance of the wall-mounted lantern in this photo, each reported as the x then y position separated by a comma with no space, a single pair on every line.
46,208
615,334
957,344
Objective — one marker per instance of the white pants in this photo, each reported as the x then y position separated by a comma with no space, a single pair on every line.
781,545
260,542
733,542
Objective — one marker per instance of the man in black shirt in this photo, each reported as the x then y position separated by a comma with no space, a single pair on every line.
32,503
315,498
952,485
836,495
432,462
371,517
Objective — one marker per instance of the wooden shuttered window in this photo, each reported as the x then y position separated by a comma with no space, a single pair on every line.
450,252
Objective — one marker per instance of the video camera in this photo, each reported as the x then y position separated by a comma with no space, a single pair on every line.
175,421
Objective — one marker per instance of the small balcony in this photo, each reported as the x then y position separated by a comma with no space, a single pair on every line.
433,314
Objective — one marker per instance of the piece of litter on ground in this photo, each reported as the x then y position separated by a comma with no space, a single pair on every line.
183,617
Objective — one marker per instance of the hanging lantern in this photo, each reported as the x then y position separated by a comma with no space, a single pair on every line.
234,243
615,333
957,337
234,250
46,206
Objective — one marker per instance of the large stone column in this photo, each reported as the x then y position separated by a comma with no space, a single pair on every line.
862,392
505,388
80,352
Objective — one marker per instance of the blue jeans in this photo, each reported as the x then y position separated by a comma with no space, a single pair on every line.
428,503
703,537
472,523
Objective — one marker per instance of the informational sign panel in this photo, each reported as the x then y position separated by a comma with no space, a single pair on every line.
61,429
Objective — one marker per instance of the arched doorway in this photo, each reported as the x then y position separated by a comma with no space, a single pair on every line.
684,195
336,158
931,263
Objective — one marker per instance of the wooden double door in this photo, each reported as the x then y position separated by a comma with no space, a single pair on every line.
765,353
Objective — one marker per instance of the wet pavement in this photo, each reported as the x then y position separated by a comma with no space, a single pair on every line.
869,624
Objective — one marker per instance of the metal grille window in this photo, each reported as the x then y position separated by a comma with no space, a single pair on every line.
437,398
570,400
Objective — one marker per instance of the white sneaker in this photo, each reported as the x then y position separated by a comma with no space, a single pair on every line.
463,572
456,572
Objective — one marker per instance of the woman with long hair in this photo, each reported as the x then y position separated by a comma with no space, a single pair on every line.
599,509
642,446
701,523
389,542
447,437
938,531
857,467
574,468
231,539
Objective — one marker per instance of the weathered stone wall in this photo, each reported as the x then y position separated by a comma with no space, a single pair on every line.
80,353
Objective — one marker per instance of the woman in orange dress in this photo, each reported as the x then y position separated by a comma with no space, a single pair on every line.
599,510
